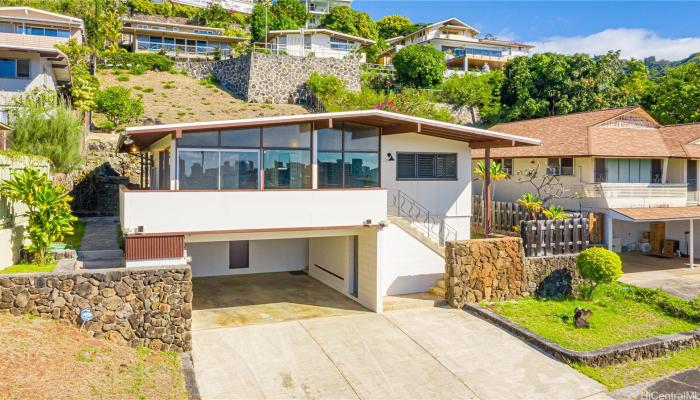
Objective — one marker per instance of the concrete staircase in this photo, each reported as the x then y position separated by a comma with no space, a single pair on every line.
439,289
407,227
412,301
98,248
98,259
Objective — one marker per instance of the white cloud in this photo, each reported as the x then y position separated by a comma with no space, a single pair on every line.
634,43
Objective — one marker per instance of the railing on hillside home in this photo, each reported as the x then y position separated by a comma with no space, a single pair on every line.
182,49
429,224
306,51
553,237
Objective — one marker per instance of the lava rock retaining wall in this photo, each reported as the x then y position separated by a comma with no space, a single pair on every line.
497,269
137,306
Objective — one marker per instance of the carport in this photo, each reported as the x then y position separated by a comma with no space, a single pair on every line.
655,215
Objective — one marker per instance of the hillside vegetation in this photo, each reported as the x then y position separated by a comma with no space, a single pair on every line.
171,98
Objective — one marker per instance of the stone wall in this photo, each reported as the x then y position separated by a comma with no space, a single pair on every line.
233,74
497,269
282,79
195,69
137,306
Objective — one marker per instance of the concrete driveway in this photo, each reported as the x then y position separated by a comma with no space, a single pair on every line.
426,353
672,275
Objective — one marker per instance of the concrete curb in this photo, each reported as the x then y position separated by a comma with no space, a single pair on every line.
190,379
619,353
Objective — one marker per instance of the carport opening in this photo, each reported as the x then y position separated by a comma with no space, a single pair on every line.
260,281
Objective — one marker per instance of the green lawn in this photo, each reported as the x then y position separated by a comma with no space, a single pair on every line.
28,268
78,231
634,372
616,319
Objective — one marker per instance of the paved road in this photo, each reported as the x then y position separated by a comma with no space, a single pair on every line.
419,354
683,385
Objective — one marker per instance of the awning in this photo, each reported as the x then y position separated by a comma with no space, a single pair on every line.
652,214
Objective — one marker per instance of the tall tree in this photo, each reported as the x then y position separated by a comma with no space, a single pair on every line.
345,19
393,26
420,66
675,96
283,14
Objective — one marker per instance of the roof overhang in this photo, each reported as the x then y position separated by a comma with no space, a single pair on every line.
60,18
328,32
656,214
182,34
391,123
59,61
5,127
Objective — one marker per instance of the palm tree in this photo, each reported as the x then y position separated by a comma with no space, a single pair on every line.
555,212
497,174
532,204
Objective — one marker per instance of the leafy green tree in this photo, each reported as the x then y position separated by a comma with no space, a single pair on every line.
372,52
118,106
482,91
85,86
110,30
281,15
675,97
48,128
554,84
419,66
345,19
392,26
48,209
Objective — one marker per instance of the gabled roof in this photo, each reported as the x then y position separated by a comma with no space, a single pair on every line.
27,12
328,32
618,132
391,123
451,21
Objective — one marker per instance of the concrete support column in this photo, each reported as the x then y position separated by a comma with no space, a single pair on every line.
608,231
691,240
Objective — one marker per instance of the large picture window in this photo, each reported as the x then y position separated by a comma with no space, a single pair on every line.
198,169
426,166
348,157
287,156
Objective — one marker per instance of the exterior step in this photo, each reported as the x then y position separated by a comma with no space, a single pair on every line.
104,263
437,291
95,255
411,301
441,284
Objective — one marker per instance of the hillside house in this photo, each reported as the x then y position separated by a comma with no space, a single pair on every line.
322,43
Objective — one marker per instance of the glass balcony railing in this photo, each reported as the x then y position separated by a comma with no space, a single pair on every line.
478,52
181,48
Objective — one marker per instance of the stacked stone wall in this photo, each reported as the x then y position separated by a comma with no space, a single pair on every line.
149,307
497,270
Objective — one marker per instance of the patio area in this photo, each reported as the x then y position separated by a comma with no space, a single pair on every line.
672,275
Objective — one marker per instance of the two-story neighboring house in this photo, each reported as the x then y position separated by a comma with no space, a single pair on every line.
618,162
314,191
322,43
241,6
319,8
176,40
28,57
464,51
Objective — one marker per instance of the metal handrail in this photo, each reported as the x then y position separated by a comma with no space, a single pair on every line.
421,218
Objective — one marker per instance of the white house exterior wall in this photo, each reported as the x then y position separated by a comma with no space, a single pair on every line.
409,266
40,76
451,199
320,46
334,254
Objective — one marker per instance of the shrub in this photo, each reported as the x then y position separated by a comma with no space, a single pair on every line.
48,128
122,78
419,66
148,61
118,105
48,209
325,85
598,265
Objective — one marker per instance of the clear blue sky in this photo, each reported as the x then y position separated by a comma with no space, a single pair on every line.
538,21
535,21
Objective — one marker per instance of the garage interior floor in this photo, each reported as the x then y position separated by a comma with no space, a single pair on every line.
237,300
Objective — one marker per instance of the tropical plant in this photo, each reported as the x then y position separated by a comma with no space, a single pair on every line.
48,209
419,66
110,30
598,265
532,204
50,129
118,106
497,173
555,212
392,26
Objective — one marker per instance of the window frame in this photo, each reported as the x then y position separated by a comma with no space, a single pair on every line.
559,166
16,61
342,150
435,157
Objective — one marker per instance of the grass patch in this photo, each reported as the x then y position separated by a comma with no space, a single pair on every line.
619,316
101,369
634,372
148,90
123,78
78,231
28,268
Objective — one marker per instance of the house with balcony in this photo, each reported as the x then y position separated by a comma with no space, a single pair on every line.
322,43
319,8
640,177
28,56
179,41
362,201
240,6
463,49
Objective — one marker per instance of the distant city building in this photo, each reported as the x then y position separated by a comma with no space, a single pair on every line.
463,50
